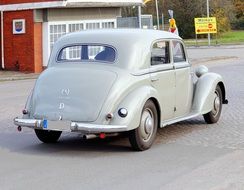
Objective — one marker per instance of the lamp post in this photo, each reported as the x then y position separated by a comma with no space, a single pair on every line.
156,2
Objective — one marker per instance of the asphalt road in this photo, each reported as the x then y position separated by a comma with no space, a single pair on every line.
190,155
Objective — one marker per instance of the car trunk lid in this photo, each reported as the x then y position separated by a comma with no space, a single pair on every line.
68,93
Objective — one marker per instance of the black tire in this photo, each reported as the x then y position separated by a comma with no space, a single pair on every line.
143,136
214,114
47,136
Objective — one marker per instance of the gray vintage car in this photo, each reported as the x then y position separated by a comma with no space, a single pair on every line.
103,82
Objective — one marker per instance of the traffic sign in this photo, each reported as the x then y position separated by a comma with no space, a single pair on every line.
205,25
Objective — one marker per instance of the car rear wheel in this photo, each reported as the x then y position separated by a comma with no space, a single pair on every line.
214,114
48,136
143,137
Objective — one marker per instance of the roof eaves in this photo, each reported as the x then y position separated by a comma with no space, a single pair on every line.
27,6
103,3
70,3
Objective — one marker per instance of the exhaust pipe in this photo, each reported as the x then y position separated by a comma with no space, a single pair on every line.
90,136
101,135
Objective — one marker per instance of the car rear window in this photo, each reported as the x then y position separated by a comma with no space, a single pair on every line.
91,53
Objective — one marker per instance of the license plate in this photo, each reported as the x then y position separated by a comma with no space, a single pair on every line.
56,125
45,124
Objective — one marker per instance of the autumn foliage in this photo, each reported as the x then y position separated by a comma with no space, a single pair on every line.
229,13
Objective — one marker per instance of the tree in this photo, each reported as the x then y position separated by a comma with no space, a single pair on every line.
129,12
223,10
227,12
239,8
238,22
186,10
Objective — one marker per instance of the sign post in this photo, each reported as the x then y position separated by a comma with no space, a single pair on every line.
208,17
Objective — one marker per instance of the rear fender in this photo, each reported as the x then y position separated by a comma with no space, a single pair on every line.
204,92
28,106
134,103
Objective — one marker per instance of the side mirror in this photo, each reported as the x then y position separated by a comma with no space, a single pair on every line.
201,70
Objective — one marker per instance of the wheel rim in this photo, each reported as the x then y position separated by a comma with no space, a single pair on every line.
216,106
146,127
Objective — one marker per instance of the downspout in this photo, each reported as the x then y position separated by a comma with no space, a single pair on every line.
2,48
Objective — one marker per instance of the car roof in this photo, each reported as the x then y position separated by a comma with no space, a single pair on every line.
117,35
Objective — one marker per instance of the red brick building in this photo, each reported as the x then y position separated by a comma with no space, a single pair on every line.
29,28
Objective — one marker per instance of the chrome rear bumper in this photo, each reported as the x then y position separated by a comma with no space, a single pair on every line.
69,126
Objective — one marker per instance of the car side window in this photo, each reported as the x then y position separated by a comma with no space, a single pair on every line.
178,52
160,53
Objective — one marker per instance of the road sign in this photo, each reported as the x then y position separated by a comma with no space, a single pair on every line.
205,25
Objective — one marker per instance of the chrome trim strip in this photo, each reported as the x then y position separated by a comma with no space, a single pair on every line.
163,67
181,65
154,69
171,121
93,128
141,72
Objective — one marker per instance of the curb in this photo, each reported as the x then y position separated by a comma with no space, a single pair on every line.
225,46
18,78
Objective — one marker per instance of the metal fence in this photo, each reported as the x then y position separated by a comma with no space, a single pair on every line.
132,22
127,22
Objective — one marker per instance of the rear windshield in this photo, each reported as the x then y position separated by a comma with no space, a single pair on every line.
87,52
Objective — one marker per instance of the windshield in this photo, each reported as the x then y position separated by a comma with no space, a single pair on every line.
91,53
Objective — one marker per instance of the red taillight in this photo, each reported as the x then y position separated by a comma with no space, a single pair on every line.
102,135
25,111
109,116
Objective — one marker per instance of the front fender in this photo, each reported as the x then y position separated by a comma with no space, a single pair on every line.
134,103
204,92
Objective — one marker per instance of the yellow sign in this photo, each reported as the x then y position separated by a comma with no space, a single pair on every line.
205,25
146,1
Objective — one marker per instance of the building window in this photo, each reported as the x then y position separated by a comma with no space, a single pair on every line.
76,27
92,25
107,24
56,31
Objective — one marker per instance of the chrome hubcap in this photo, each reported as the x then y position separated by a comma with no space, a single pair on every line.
146,125
149,125
216,107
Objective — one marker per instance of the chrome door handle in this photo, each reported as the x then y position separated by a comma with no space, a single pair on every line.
154,79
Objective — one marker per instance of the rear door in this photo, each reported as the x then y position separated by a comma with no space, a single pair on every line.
163,77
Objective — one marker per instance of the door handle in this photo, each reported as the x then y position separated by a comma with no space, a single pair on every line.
154,79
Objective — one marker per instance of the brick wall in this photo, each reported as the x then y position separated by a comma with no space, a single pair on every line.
0,46
19,48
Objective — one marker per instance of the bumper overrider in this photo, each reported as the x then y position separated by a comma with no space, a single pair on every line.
69,126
